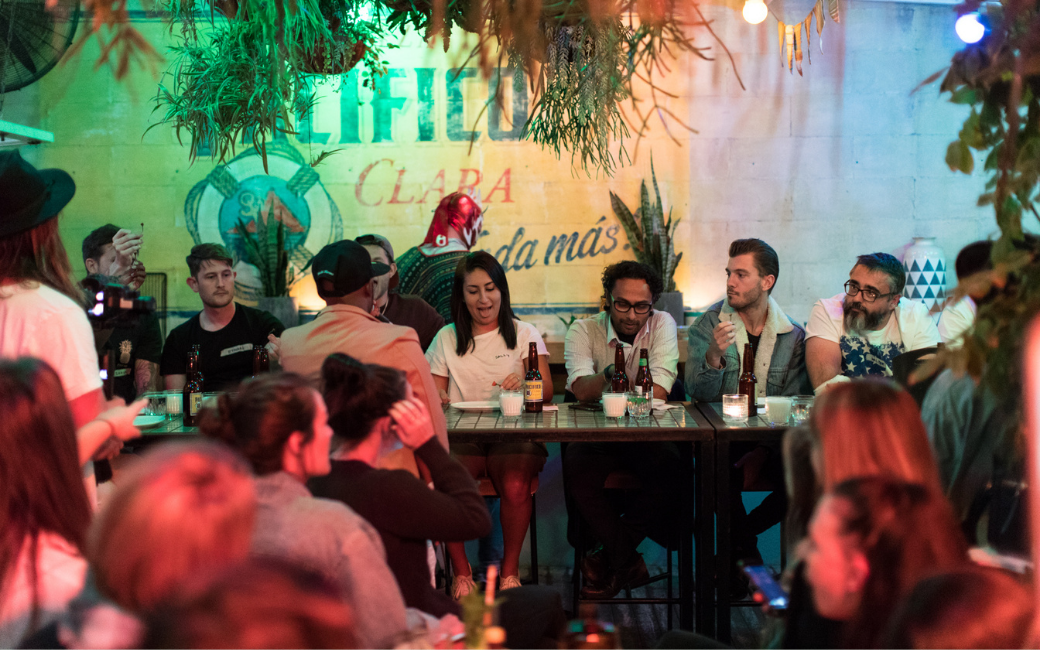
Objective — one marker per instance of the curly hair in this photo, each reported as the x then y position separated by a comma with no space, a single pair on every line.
629,270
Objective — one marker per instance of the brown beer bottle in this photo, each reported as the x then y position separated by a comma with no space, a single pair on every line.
533,382
261,361
748,382
619,380
191,399
644,382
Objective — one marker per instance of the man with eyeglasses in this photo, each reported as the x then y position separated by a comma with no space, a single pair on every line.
859,332
630,290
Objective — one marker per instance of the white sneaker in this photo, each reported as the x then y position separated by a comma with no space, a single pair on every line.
509,582
462,586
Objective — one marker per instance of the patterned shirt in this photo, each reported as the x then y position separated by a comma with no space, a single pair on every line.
909,328
430,277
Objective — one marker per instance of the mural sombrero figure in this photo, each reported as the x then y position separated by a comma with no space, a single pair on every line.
429,269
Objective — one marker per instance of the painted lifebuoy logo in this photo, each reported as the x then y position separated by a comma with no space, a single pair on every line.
240,190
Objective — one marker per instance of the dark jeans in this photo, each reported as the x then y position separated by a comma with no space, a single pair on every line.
745,527
648,512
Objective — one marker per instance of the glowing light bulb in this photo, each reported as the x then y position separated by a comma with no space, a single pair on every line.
755,11
969,29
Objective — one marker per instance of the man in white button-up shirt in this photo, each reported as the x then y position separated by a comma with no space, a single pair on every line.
630,321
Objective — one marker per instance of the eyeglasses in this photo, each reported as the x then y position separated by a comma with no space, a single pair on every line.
869,295
624,306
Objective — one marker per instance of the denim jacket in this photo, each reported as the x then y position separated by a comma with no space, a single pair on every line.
779,362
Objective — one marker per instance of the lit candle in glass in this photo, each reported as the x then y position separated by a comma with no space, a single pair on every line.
735,407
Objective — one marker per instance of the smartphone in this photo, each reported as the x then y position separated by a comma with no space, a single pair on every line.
767,585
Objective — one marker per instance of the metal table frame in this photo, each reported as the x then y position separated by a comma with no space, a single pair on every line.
686,426
756,429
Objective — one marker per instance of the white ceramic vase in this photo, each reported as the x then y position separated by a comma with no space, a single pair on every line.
925,266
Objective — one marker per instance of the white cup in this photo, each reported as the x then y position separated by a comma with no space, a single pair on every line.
173,403
778,410
614,404
511,402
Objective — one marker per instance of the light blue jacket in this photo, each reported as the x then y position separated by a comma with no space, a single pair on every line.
779,362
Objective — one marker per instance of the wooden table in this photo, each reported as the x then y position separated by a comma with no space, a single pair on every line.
681,424
755,429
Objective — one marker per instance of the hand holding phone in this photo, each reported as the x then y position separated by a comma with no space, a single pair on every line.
413,423
773,594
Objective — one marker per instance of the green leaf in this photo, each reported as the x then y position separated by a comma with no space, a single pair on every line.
963,95
959,158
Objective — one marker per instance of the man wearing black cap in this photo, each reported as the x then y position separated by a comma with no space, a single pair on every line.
346,278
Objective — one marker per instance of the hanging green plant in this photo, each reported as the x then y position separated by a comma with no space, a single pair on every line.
247,72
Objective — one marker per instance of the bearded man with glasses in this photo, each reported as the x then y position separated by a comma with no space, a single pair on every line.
859,332
630,322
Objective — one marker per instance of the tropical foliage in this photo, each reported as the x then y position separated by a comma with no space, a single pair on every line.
999,79
266,251
651,237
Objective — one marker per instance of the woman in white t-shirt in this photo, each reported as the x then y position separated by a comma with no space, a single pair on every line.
481,353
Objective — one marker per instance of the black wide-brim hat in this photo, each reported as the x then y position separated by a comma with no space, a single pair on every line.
30,196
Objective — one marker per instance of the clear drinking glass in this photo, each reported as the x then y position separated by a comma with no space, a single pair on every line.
800,407
614,404
639,405
735,408
156,404
778,411
173,404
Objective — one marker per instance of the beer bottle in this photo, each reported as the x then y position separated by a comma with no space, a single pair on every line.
192,394
619,380
261,362
533,382
748,382
644,382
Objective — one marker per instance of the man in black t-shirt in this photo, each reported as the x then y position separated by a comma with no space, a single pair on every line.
110,255
224,330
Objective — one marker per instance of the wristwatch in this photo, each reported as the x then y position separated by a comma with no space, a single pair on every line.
608,372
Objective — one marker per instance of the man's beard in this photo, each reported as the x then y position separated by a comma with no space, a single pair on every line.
862,321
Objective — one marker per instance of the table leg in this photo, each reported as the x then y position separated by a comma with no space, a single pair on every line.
706,538
686,505
723,542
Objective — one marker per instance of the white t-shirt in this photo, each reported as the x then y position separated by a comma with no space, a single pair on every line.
910,328
490,361
37,321
955,320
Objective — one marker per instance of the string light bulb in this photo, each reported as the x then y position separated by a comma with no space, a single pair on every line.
969,28
755,11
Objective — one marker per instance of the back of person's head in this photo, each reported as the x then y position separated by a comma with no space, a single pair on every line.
974,258
973,607
905,531
42,486
259,419
264,603
181,510
460,312
871,427
94,243
207,253
629,270
358,395
766,260
888,265
38,255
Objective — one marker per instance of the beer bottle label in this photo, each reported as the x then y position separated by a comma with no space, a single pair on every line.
195,403
533,391
638,390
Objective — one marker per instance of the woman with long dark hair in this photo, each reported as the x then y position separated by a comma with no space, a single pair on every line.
44,511
280,424
482,352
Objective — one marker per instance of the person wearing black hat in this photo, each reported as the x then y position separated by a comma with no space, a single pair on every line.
42,311
224,330
346,279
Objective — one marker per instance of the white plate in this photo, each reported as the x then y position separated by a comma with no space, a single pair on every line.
148,421
475,406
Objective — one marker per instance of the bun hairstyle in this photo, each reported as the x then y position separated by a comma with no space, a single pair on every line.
357,395
259,419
